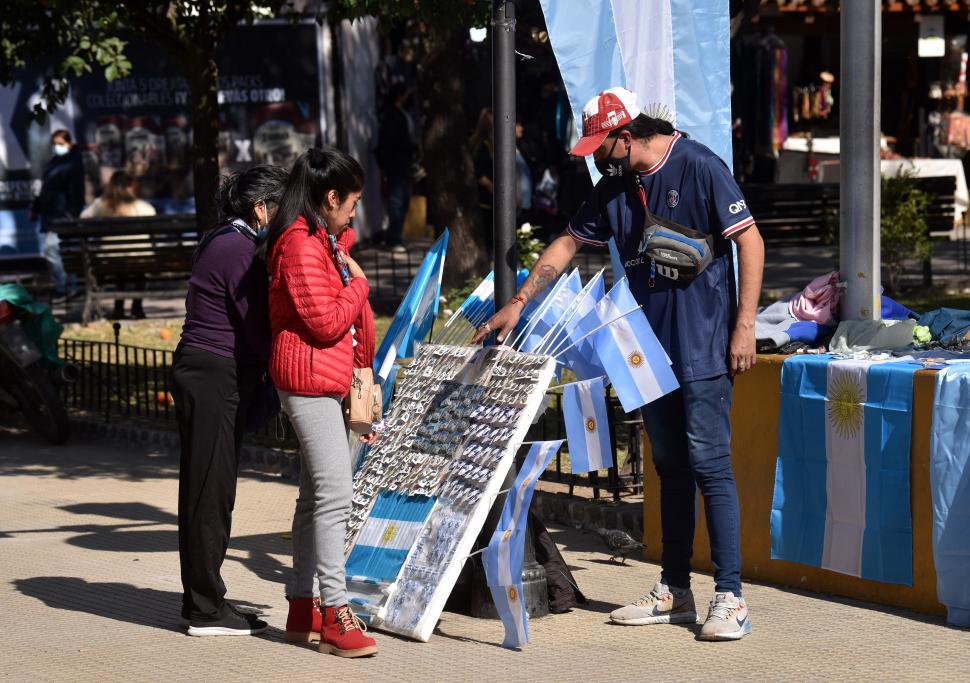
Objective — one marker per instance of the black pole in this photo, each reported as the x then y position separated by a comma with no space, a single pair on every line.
505,178
504,172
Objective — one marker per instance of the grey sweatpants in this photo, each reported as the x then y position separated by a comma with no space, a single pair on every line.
323,504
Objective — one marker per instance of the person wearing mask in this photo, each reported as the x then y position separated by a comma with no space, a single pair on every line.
707,330
61,196
216,374
119,200
396,154
322,329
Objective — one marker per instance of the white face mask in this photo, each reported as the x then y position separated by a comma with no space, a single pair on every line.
60,149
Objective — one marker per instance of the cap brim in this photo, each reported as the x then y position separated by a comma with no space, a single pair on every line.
588,144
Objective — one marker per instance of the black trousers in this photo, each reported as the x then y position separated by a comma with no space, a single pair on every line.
211,395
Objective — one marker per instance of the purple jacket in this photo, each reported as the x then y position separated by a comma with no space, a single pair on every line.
226,309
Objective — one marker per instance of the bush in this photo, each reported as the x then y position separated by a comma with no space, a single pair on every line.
903,227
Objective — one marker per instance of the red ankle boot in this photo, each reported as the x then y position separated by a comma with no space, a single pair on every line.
342,634
304,621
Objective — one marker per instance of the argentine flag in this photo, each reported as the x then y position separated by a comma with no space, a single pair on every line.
587,426
544,314
841,499
414,317
674,54
503,556
581,358
393,526
627,348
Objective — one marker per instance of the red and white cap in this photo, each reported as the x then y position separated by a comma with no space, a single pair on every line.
607,111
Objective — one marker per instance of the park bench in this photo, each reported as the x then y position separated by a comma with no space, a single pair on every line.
106,254
805,213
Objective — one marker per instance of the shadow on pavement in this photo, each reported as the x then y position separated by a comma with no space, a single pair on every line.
22,453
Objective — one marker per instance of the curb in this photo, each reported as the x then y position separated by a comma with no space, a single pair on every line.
580,513
262,459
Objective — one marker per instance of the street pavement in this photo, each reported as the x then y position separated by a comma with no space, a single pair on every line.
90,589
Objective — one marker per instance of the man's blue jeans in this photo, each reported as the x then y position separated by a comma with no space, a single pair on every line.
690,436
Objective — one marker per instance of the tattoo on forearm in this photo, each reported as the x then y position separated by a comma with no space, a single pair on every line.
537,281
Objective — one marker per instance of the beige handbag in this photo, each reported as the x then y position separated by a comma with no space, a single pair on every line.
364,403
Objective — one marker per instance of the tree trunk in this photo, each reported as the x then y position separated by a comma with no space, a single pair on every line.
452,194
202,73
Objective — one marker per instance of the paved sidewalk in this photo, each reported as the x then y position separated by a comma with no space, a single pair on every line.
90,589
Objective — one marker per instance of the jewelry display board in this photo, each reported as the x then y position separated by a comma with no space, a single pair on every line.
423,492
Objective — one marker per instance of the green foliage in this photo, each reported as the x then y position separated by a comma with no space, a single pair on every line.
529,247
904,230
82,35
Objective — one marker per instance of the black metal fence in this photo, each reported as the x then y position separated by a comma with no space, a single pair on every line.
626,433
123,381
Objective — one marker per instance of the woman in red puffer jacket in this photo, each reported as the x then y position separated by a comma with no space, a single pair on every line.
323,327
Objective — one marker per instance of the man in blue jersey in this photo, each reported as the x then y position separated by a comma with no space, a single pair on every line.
651,169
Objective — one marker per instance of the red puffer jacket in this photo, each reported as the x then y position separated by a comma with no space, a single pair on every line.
311,312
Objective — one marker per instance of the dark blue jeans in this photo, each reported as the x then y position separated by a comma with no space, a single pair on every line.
690,436
398,197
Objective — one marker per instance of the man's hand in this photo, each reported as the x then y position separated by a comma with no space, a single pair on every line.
743,354
369,438
503,322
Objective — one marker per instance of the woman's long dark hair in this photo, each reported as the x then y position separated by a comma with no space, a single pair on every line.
314,174
240,192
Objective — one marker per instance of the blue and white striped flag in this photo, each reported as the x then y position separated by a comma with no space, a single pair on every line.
671,53
637,365
582,358
587,426
549,311
393,526
414,317
503,556
841,499
480,304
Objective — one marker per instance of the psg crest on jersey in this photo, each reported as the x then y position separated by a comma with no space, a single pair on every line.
673,198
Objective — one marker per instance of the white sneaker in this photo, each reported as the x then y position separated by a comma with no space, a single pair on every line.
662,605
727,618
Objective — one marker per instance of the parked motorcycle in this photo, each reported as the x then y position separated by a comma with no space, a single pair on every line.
28,382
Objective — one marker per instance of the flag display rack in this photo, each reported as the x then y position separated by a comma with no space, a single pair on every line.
422,494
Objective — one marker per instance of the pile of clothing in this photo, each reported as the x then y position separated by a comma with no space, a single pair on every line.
809,320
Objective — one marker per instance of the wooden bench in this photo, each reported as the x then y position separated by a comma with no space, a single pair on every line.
807,213
108,254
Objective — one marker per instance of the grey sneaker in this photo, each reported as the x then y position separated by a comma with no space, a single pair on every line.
662,605
727,619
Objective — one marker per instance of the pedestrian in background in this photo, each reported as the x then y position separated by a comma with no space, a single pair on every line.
120,200
216,376
397,154
61,197
322,329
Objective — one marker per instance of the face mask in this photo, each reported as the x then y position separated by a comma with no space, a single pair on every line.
612,167
60,150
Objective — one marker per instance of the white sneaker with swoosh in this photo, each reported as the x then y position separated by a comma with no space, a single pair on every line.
662,605
727,618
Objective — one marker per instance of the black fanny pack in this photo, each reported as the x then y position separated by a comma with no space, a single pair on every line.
676,252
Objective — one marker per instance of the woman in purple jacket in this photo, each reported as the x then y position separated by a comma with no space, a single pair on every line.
219,366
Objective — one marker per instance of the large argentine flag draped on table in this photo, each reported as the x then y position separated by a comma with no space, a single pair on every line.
841,498
673,53
950,488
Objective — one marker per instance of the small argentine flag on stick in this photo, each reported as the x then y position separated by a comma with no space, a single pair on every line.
503,556
587,425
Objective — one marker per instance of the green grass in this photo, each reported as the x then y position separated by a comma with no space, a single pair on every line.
152,333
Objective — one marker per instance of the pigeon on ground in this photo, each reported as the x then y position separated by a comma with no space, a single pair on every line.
619,543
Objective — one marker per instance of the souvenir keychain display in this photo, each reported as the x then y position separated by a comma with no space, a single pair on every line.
422,494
